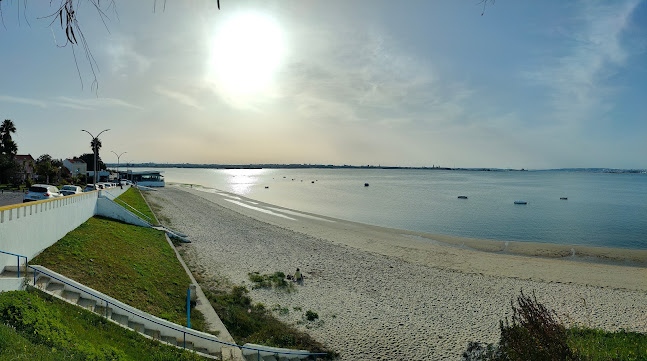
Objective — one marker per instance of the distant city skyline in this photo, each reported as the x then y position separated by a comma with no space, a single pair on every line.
540,85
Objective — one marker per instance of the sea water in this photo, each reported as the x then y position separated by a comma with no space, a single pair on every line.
602,209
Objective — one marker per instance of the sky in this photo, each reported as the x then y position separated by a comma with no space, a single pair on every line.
535,85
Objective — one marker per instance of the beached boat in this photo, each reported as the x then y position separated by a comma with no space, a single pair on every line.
520,202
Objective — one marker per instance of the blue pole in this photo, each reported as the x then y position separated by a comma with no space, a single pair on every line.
18,258
188,307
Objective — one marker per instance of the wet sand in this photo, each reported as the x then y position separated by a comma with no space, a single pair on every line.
391,294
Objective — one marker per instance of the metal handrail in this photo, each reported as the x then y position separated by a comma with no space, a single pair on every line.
18,259
128,205
184,332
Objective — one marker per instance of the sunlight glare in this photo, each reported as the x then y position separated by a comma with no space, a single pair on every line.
246,52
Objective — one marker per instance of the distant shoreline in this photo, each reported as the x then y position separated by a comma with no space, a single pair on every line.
330,166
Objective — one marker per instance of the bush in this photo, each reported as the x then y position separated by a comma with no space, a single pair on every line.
311,315
276,280
533,334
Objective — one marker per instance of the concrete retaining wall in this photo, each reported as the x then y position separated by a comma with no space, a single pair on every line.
29,228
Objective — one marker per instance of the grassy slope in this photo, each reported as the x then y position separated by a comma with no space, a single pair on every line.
132,264
134,199
34,326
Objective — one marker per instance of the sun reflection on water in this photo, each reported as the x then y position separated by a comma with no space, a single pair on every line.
241,181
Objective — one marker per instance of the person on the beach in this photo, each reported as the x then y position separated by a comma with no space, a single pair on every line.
298,276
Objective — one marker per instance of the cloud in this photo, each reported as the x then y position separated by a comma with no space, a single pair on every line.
93,103
124,58
179,97
361,78
578,77
19,100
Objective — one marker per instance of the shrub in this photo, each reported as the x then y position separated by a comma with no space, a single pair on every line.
311,315
533,334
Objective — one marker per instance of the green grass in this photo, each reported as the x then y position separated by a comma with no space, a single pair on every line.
598,345
276,280
133,264
34,326
134,198
253,323
535,333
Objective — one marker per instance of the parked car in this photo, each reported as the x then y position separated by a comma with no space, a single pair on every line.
70,189
39,192
90,188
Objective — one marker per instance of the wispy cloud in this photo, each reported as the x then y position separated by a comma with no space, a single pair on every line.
20,100
179,97
578,77
365,77
124,56
93,103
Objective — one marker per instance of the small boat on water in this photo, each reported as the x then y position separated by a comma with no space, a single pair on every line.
563,198
462,197
520,202
365,184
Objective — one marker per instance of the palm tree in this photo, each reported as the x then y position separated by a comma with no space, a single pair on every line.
95,144
7,145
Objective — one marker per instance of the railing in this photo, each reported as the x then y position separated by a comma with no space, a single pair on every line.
184,332
18,259
129,206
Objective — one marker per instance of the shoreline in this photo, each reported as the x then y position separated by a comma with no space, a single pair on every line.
380,294
534,253
574,252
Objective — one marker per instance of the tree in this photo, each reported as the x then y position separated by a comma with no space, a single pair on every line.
8,150
88,158
48,168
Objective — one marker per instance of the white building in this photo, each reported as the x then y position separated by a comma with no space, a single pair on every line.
75,166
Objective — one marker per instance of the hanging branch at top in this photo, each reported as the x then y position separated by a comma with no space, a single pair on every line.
485,2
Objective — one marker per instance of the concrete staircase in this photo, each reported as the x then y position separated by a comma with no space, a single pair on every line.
148,325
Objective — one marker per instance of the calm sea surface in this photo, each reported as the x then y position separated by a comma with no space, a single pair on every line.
608,210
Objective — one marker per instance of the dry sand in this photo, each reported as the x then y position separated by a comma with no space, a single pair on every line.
396,295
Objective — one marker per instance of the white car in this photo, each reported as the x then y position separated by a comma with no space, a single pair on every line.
39,192
69,190
91,187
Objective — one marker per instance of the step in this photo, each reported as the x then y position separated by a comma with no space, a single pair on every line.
101,310
42,282
119,318
139,327
201,350
55,288
23,269
170,340
156,334
87,303
71,296
188,345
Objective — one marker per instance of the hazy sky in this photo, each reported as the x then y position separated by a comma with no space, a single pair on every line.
541,84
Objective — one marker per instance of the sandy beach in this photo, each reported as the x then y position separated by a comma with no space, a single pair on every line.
397,295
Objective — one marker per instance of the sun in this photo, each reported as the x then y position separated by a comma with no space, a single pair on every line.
246,51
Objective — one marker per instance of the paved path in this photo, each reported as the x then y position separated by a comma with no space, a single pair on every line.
9,198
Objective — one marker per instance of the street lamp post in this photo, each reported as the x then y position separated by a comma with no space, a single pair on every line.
94,148
118,156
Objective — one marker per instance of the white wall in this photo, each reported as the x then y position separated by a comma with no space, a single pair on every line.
29,228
